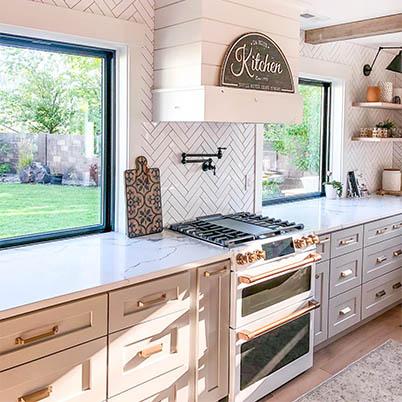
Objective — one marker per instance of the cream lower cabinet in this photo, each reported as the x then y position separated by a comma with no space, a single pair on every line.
213,284
74,375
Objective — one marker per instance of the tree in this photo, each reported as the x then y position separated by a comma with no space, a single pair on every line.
43,92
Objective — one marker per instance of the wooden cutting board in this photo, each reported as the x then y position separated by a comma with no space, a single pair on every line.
143,198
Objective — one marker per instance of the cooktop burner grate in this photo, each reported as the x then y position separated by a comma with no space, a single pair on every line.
234,229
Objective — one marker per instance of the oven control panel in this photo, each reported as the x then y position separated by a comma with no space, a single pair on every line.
306,241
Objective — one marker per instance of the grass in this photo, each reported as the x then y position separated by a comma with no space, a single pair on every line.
37,208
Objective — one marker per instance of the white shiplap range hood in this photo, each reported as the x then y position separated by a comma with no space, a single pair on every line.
191,38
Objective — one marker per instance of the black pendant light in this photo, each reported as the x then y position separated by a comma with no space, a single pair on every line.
395,65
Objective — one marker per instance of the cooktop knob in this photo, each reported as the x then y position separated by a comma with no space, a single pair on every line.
241,259
252,256
300,243
260,254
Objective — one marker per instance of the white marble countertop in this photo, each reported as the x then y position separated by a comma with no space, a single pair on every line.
321,215
42,275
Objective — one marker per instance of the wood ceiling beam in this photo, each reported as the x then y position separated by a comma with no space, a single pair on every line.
352,30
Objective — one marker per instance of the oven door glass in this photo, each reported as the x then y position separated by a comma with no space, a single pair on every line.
265,294
273,350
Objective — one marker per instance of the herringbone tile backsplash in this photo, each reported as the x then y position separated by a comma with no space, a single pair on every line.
186,190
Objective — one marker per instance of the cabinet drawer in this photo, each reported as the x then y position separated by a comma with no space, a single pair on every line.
383,229
149,300
74,375
146,352
31,336
381,292
346,241
344,311
382,258
324,247
321,295
346,273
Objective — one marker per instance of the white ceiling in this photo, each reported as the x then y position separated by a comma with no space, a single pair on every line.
330,12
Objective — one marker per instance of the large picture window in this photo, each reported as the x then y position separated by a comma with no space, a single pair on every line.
56,142
295,157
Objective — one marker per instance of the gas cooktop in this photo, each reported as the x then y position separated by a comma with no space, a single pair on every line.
235,229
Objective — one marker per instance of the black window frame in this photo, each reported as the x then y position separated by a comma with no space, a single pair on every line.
325,145
108,143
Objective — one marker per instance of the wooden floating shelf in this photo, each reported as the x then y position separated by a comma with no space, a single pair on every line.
376,139
378,105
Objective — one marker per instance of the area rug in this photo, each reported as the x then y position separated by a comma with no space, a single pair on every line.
376,377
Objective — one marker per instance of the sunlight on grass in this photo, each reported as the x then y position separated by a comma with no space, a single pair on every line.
31,209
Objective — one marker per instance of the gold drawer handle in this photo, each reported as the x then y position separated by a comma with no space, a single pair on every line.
397,226
345,242
381,293
37,396
346,273
22,341
151,351
397,253
381,259
323,241
345,311
246,335
397,285
381,231
208,274
148,303
294,266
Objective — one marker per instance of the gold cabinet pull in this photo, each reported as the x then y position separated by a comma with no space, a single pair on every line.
246,335
396,226
37,396
346,273
345,311
381,231
397,285
345,242
151,350
323,241
208,274
381,259
310,259
397,253
22,341
381,293
148,303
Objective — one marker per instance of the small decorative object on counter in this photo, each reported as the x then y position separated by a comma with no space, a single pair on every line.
384,129
333,188
386,91
353,185
143,197
373,94
391,180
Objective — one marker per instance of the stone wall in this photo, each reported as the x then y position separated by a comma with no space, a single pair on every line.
70,155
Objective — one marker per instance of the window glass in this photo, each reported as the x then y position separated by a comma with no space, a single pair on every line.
294,155
54,139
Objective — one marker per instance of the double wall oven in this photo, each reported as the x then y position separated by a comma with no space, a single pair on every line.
272,298
271,334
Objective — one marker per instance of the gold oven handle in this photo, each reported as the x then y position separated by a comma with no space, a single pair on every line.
22,341
245,335
310,259
37,396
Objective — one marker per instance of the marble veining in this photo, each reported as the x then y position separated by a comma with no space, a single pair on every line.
92,264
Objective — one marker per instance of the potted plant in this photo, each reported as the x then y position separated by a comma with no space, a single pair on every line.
333,188
57,178
386,126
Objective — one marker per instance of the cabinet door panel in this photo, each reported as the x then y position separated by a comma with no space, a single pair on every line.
213,332
321,295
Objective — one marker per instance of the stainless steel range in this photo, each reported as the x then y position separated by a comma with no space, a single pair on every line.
272,298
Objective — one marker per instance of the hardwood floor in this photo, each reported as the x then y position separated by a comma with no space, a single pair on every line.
339,354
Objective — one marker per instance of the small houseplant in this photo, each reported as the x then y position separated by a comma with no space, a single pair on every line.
385,127
333,188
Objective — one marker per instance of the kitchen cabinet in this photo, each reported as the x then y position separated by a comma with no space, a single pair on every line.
213,285
347,240
321,295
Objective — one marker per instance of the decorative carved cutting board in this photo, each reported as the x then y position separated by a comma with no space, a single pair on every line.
143,197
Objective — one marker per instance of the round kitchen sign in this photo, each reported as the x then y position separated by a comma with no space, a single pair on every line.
254,61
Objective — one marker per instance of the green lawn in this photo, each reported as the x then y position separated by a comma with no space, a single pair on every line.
35,208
